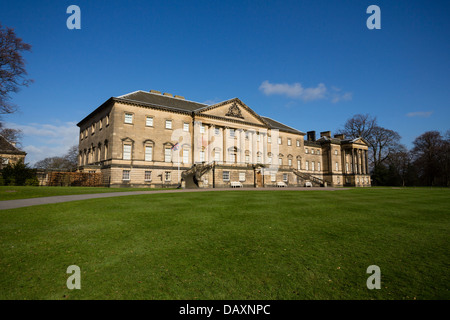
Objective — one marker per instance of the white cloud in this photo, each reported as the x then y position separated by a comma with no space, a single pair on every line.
46,140
297,91
421,114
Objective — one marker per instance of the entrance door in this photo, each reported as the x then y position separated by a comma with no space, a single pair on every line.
259,180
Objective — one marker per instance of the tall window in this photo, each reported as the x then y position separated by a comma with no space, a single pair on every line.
149,122
241,176
185,156
128,118
127,152
299,164
337,166
217,155
289,141
202,129
168,124
148,153
126,175
202,156
280,161
232,133
306,150
247,158
279,140
186,127
269,139
312,166
273,176
258,158
318,166
298,143
226,176
285,177
232,157
167,176
216,131
148,176
307,165
290,162
167,154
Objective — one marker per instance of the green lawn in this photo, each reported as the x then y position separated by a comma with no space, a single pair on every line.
232,245
16,192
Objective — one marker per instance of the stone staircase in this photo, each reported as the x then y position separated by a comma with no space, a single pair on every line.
192,175
307,176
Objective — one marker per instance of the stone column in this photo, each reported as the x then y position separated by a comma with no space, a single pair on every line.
225,144
254,147
264,148
353,161
242,146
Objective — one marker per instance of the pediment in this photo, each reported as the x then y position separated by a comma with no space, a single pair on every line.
233,109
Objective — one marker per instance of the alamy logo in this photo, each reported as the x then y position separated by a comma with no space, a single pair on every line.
374,281
74,281
374,21
74,21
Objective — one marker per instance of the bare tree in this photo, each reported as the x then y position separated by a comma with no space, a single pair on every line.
383,142
359,126
66,162
12,135
12,67
401,159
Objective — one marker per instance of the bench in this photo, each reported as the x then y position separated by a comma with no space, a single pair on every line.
236,184
281,184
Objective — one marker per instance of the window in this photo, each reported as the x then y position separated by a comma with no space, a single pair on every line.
346,167
299,164
335,152
337,166
93,128
148,153
312,166
148,176
290,162
217,131
273,176
185,156
318,166
279,140
217,156
312,151
100,125
167,176
247,159
298,143
289,142
280,161
168,124
241,176
258,137
202,156
127,152
186,127
226,176
128,118
306,150
126,175
269,139
285,177
107,120
306,165
269,160
149,122
258,159
317,152
232,133
202,129
232,157
246,135
167,154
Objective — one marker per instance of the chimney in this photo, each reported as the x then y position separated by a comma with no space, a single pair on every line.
168,94
155,91
325,134
180,97
311,136
340,136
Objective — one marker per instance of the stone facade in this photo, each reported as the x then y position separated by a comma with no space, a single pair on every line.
148,139
9,153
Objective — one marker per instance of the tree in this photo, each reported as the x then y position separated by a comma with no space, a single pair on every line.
428,159
12,67
12,135
19,174
66,162
400,161
359,126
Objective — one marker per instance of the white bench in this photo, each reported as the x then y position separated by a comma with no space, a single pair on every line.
236,184
281,184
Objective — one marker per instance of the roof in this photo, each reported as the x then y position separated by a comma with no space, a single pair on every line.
7,148
278,125
163,101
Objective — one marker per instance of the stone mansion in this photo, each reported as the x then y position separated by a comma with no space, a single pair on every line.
154,139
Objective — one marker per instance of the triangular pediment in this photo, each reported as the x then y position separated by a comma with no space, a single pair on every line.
233,109
360,141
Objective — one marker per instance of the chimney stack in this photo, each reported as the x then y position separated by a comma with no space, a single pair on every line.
340,136
325,134
311,136
168,94
180,97
155,91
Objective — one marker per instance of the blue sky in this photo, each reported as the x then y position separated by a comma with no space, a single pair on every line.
309,64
